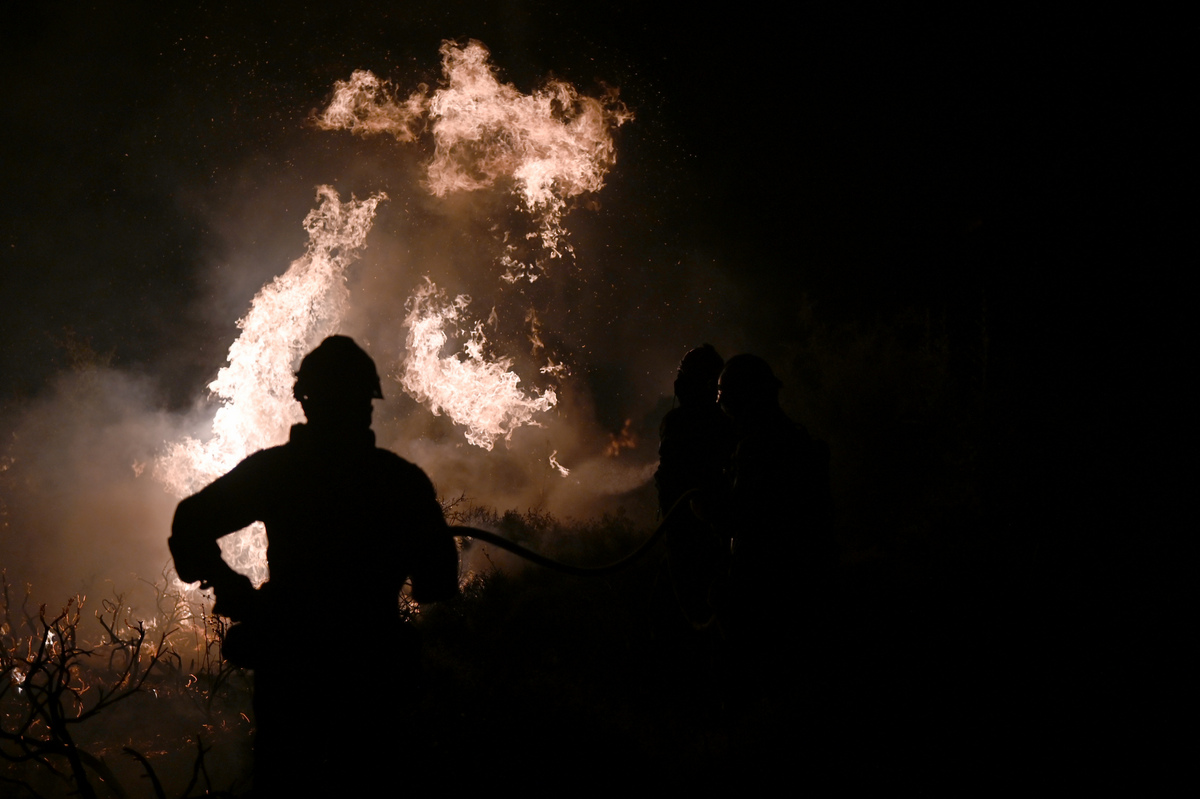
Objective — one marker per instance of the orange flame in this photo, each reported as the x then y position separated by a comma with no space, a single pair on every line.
366,105
553,145
479,394
626,439
288,317
563,470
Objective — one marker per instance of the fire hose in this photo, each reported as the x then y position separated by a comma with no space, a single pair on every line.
240,648
541,560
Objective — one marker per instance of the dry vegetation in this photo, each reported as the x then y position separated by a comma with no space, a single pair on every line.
99,705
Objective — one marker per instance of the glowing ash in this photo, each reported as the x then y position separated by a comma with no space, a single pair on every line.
287,318
479,394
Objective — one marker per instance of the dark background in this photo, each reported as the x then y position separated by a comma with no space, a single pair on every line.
871,160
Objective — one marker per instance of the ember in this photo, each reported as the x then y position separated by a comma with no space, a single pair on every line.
626,439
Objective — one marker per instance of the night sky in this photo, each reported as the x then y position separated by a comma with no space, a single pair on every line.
871,161
973,177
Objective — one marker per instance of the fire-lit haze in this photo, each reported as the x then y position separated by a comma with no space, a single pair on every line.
289,317
549,147
940,230
866,204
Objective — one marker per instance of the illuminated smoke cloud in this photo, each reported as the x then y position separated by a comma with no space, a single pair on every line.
482,395
288,317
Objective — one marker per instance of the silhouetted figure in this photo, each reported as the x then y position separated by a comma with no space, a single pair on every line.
347,524
696,438
696,442
780,507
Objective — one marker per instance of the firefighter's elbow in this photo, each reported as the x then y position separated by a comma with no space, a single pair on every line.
440,591
187,545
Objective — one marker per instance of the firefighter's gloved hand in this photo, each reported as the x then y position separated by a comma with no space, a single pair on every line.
236,597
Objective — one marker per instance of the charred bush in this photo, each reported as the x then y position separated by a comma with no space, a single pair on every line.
74,707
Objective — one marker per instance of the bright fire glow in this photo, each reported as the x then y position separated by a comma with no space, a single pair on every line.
365,105
546,147
553,144
480,394
288,318
549,147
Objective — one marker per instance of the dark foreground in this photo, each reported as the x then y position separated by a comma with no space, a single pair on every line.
966,670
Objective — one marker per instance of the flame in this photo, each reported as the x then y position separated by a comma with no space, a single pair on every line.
553,144
552,368
366,105
626,439
288,317
479,394
563,470
550,146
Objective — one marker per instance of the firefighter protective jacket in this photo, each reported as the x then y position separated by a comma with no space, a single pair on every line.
347,523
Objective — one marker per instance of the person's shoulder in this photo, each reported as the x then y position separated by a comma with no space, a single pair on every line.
267,458
389,460
689,418
392,459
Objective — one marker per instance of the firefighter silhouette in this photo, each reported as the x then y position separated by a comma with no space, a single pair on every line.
780,509
695,438
347,524
696,442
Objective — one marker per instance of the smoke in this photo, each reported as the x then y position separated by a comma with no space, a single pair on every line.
81,511
96,465
488,324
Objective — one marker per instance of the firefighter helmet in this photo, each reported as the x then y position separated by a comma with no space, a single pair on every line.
337,367
702,363
746,381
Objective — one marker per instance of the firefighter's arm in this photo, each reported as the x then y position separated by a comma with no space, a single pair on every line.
435,573
439,579
200,521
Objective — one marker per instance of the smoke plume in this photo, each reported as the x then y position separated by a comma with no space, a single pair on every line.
445,279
